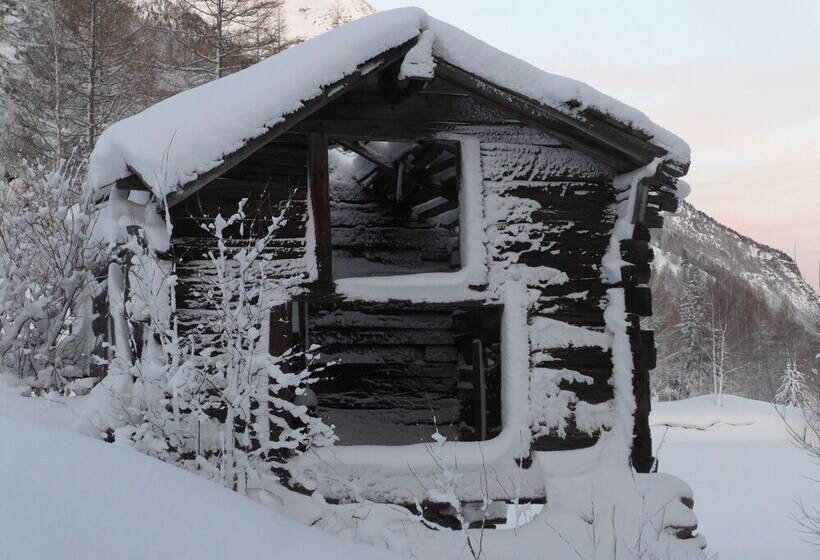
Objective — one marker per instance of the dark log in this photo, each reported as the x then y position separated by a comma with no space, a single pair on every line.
594,393
641,233
480,390
665,201
638,300
636,252
370,104
642,459
653,218
636,274
574,439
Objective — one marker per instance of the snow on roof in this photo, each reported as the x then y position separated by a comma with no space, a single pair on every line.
175,141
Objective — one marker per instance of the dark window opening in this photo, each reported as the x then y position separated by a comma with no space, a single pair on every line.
394,207
397,372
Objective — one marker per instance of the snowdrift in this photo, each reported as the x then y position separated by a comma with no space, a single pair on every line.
67,496
747,473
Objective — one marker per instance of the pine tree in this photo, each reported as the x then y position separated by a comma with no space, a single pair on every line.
692,323
792,391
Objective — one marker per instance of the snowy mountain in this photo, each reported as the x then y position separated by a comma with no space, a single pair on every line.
308,18
718,250
722,298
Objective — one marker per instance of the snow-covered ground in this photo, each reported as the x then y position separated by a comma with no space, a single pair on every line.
66,496
746,473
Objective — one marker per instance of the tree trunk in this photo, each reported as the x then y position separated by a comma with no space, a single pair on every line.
91,110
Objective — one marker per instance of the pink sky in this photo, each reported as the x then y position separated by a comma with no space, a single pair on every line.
739,80
755,139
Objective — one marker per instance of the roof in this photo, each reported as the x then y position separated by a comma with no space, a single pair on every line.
183,138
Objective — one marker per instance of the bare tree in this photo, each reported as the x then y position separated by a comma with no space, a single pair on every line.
36,84
177,382
229,34
79,67
108,57
804,428
337,15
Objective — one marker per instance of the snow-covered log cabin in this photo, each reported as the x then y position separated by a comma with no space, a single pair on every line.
467,241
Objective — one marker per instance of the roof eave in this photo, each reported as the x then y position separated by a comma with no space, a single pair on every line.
598,134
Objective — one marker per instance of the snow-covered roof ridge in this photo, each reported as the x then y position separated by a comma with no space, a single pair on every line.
179,139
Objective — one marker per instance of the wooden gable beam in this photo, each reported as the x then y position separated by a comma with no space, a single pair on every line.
590,133
329,93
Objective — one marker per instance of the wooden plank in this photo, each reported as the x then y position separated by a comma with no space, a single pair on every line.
639,210
641,456
620,149
319,187
636,252
370,104
479,390
374,129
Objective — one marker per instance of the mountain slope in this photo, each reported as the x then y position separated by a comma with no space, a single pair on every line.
725,301
693,235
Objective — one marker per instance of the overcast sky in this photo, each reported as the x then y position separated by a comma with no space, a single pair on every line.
738,80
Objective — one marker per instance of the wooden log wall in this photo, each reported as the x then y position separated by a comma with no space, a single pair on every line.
274,180
661,197
548,206
548,212
399,371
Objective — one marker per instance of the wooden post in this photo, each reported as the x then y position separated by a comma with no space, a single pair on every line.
319,185
479,390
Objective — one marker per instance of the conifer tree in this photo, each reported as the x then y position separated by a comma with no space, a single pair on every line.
792,391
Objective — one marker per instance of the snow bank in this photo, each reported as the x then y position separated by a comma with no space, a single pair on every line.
175,141
747,474
67,496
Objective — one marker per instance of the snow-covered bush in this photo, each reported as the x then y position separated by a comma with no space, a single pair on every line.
47,258
214,400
